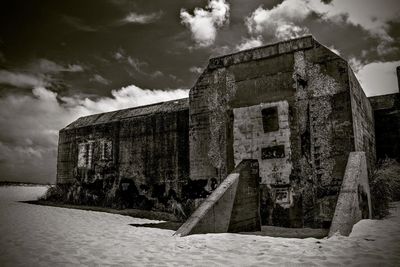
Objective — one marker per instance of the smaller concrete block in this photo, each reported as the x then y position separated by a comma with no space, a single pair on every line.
233,206
354,191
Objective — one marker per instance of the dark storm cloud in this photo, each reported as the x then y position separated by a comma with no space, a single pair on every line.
68,58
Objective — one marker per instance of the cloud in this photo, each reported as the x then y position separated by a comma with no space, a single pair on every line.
156,74
371,15
285,20
334,50
136,64
379,78
355,64
250,43
279,21
23,80
119,55
28,149
142,18
196,70
78,24
38,73
204,22
100,79
48,66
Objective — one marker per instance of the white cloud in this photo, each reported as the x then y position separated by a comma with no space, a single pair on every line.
279,21
156,74
284,20
100,79
28,148
204,22
248,43
24,80
379,78
371,15
196,70
48,66
119,55
136,64
37,73
334,50
134,17
355,64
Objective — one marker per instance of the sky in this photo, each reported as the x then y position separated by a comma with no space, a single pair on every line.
60,60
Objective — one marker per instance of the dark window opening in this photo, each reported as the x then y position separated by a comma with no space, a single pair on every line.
270,119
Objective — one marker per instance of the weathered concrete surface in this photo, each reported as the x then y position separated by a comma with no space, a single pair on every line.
363,122
295,106
232,207
322,116
131,158
354,202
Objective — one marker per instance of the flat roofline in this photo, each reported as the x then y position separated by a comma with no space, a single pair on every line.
390,94
97,116
265,51
308,36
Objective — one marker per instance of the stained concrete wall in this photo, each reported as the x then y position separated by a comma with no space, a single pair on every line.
314,82
149,163
251,141
363,122
232,207
354,202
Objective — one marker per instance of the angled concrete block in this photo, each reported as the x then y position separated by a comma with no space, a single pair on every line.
232,207
354,202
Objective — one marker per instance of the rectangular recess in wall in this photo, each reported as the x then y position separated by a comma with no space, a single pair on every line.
282,196
273,152
106,149
270,119
85,151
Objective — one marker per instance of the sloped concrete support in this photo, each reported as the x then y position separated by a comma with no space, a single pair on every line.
354,202
232,207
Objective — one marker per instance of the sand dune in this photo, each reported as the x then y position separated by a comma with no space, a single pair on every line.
32,235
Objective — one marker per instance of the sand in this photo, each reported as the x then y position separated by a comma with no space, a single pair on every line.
33,235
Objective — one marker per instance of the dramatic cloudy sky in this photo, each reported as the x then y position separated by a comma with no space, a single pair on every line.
63,59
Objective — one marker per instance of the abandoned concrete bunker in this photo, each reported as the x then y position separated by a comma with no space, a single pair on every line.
294,108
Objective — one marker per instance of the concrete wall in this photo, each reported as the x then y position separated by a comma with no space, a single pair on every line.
232,207
251,141
363,122
315,128
354,202
134,162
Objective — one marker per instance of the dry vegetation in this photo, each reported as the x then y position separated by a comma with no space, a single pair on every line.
385,187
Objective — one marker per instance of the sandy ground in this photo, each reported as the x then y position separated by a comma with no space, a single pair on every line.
32,235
